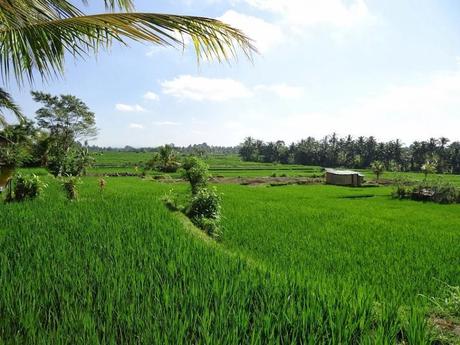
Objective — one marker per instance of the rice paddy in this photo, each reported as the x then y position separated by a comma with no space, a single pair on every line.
310,264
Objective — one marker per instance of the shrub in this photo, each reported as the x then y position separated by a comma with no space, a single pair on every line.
71,163
70,185
209,226
441,193
204,210
445,194
402,192
403,189
205,203
11,155
26,187
196,172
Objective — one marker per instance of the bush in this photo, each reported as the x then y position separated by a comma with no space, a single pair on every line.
205,203
441,193
11,155
204,210
72,163
445,194
26,187
402,192
209,226
403,189
196,172
70,185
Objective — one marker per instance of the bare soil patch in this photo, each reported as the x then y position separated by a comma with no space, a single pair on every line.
446,326
271,181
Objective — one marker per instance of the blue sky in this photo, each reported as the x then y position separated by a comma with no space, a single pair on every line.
385,68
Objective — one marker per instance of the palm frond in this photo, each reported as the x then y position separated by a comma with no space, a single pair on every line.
36,38
7,103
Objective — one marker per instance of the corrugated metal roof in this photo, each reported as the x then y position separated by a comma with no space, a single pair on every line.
344,172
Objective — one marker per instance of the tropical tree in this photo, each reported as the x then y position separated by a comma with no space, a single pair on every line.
36,34
429,167
378,168
7,103
165,159
66,118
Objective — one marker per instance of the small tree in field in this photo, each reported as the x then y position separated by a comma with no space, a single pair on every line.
165,160
196,172
378,168
429,168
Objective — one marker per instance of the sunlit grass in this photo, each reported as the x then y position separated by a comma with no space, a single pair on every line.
301,264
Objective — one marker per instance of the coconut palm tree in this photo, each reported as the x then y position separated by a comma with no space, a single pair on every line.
429,167
36,34
7,103
377,168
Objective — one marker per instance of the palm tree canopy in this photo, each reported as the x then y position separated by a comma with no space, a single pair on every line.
36,34
7,103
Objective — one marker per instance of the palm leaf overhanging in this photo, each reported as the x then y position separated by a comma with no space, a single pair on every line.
36,34
7,103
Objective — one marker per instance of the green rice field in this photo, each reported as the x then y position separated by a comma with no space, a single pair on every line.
295,265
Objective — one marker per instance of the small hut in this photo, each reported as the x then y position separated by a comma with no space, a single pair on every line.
344,177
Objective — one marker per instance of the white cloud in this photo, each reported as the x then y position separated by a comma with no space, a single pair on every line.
136,126
282,90
308,13
201,89
264,34
428,108
151,96
166,123
127,108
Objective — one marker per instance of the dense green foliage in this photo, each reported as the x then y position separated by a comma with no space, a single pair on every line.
70,186
16,148
25,187
195,171
165,160
296,265
377,168
436,191
332,151
205,211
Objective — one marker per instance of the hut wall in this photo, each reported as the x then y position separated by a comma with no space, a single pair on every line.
342,180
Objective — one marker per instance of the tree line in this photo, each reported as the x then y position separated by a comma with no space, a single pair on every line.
358,153
195,149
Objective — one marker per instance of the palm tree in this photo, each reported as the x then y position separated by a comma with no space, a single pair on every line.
378,168
7,103
429,168
36,34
